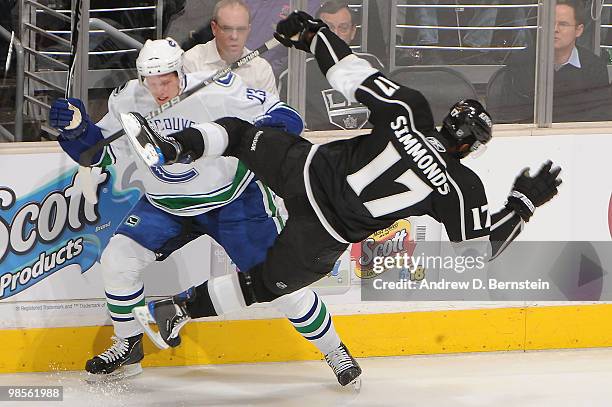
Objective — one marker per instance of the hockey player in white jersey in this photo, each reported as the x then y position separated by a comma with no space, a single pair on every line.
219,197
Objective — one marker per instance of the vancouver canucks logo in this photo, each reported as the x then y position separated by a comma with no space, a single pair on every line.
166,126
226,80
174,178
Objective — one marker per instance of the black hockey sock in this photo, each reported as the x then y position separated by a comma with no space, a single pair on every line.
201,305
329,49
253,287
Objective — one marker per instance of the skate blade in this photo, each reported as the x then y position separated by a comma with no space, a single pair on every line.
144,318
355,384
140,143
119,374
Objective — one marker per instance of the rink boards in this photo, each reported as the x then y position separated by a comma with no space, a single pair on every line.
53,316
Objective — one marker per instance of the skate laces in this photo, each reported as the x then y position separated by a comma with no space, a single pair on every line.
119,347
339,359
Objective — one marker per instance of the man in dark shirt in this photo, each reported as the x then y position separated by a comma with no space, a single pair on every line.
581,84
326,108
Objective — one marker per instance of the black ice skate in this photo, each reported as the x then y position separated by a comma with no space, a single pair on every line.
345,367
170,314
153,147
121,360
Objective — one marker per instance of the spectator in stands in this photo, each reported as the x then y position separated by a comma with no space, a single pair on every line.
326,108
487,17
231,25
474,38
592,14
192,26
581,83
426,37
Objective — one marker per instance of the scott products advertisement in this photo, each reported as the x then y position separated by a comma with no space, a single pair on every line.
47,225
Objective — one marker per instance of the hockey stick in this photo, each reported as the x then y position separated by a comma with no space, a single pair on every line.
84,174
87,156
74,41
7,65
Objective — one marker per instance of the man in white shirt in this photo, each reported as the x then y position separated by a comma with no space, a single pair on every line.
581,84
231,25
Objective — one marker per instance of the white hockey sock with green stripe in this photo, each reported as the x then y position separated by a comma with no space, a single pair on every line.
310,318
120,304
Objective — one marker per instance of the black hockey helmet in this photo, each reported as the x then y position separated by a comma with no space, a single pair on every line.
469,123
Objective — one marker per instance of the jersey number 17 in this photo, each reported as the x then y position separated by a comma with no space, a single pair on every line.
417,188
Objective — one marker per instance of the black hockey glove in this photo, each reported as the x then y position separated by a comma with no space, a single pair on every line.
530,192
299,24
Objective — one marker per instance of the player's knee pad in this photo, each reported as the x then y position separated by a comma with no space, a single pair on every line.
295,302
123,261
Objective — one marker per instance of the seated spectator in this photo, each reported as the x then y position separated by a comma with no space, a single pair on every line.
326,108
426,37
192,26
581,84
231,25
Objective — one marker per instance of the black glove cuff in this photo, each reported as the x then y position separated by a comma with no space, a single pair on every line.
519,206
283,40
329,49
233,125
192,144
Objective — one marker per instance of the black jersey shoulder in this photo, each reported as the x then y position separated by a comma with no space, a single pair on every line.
464,211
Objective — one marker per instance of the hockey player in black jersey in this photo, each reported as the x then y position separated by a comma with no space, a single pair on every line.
343,191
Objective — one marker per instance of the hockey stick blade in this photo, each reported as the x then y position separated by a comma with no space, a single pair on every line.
86,158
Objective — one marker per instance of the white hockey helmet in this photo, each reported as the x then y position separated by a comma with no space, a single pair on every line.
158,57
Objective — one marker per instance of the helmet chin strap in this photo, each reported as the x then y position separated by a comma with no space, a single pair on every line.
447,139
477,149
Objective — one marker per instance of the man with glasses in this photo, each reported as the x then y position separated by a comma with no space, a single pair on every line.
581,83
326,108
231,25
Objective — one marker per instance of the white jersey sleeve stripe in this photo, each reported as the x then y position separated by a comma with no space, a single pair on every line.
348,74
